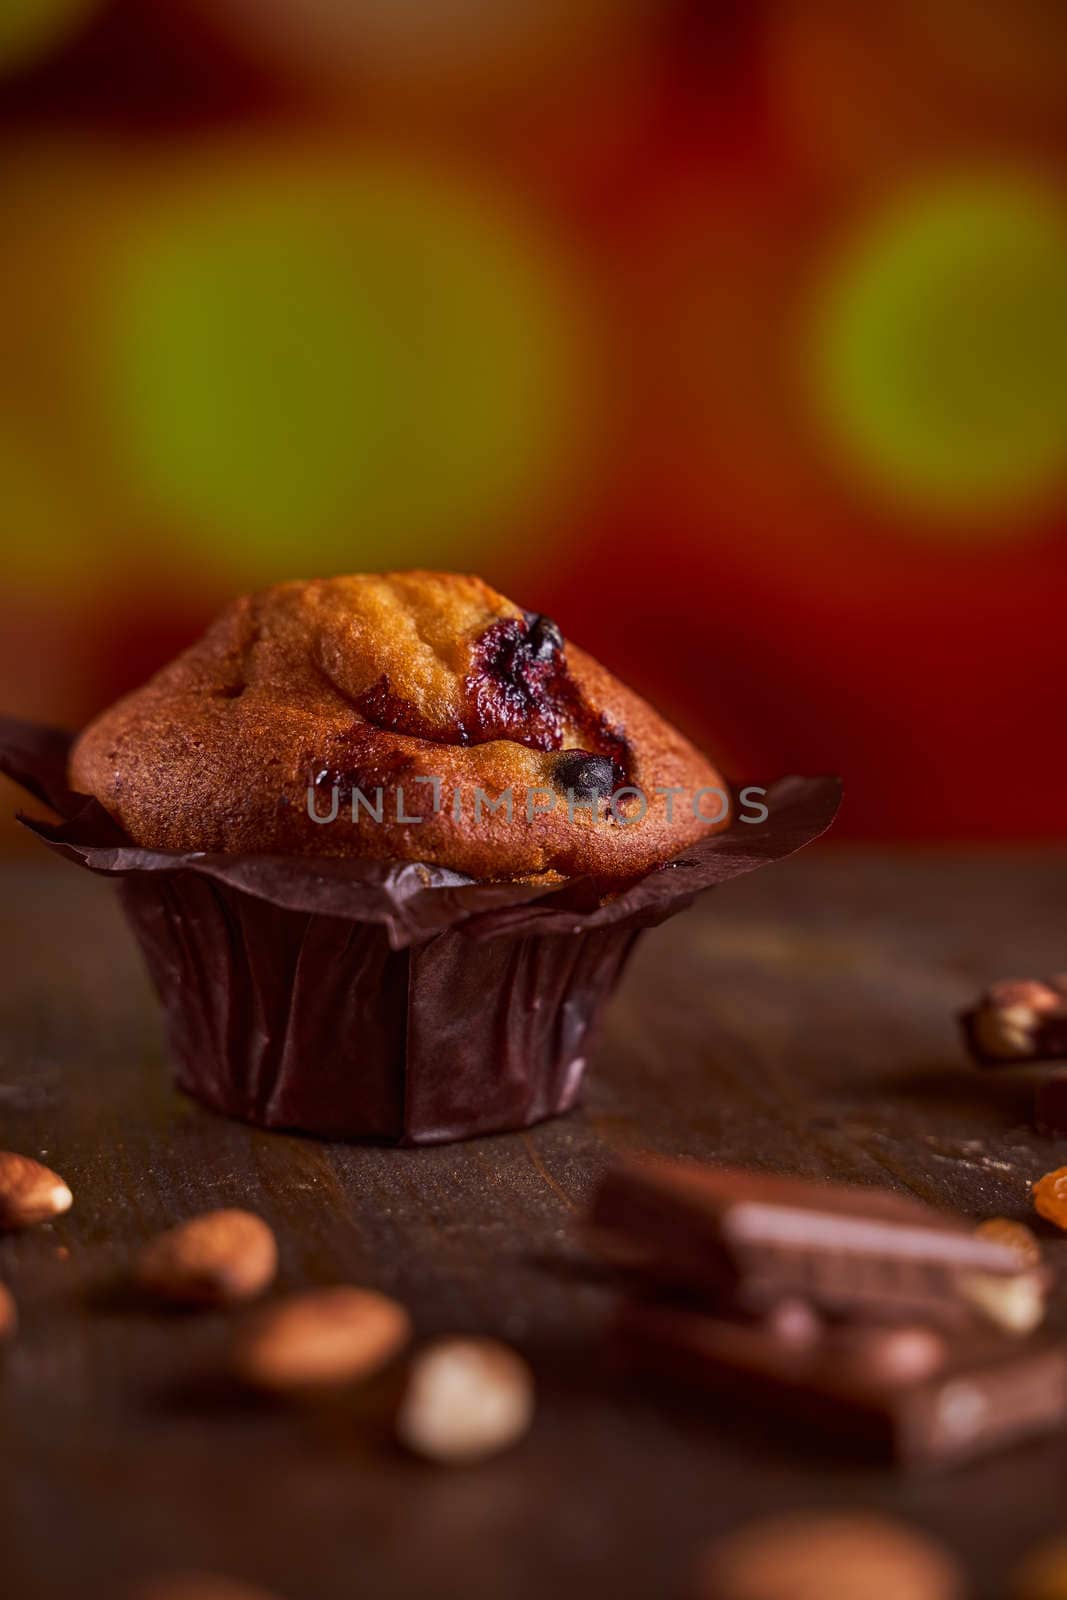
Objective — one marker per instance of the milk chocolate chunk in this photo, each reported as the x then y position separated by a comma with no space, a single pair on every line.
902,1394
753,1239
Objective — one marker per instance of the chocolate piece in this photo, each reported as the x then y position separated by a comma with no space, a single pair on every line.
586,776
1016,1235
903,1393
754,1239
1018,1020
543,636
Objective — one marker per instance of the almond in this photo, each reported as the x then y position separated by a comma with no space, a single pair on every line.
216,1259
324,1337
1043,1574
29,1192
849,1555
9,1317
466,1399
197,1586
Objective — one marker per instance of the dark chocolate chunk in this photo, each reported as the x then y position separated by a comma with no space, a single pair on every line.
586,776
543,636
752,1240
914,1398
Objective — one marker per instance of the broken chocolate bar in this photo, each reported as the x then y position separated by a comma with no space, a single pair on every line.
751,1240
1017,1021
906,1393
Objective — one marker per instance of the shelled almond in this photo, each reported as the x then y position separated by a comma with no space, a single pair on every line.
29,1192
1043,1573
816,1555
219,1258
197,1586
324,1337
9,1317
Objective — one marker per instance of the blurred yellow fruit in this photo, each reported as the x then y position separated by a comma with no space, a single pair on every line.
938,354
311,367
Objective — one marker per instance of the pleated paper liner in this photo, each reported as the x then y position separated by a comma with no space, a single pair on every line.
393,1001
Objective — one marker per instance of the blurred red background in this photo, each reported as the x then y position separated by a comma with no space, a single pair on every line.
733,335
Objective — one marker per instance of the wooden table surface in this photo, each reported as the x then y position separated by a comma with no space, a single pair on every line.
800,1019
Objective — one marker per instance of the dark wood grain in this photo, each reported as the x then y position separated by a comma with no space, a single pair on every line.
800,1020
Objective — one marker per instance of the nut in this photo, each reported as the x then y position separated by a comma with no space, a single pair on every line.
465,1399
197,1586
9,1317
1050,1197
851,1556
215,1259
327,1336
29,1192
1008,1020
1016,1235
1006,1035
1043,1574
1023,992
1015,1305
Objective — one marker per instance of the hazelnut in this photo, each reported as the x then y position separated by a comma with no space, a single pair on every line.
1015,1304
466,1399
1006,1035
1023,993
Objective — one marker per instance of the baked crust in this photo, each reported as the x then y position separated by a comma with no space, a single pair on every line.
347,686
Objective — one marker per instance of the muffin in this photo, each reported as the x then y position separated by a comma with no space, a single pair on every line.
387,843
402,716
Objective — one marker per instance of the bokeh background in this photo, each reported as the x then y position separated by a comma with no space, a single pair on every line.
732,335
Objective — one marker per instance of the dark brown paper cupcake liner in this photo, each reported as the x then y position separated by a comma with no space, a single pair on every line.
387,1000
